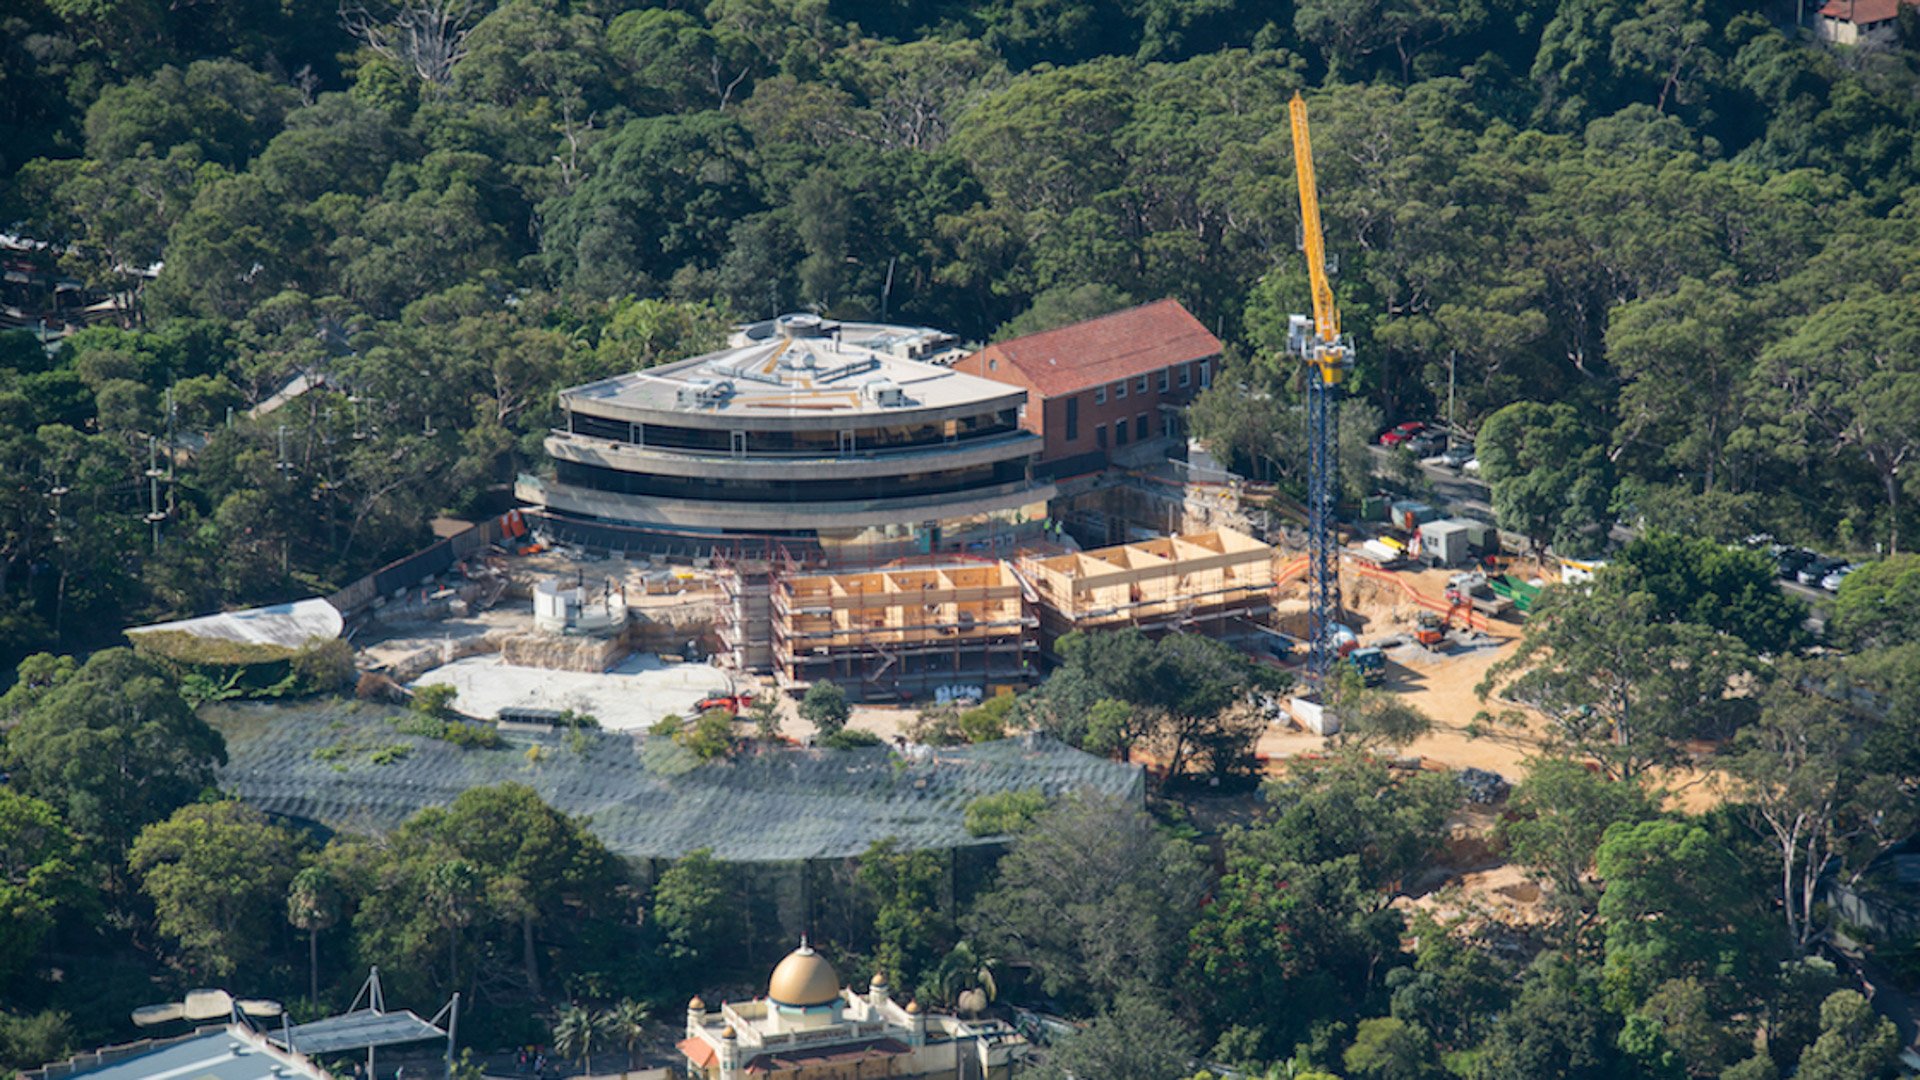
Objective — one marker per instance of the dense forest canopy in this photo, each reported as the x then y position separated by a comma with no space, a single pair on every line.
1661,242
1657,254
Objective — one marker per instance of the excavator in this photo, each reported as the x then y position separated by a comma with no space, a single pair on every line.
1430,630
733,703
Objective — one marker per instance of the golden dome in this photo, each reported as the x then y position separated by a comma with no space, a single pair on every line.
913,1008
696,1005
879,978
804,978
727,1032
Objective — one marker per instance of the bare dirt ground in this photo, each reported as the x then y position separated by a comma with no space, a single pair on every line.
1440,683
389,639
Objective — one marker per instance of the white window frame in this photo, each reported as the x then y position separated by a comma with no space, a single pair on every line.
1119,389
1166,380
1186,375
1100,394
1206,374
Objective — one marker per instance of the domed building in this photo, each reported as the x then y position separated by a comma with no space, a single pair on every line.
810,1027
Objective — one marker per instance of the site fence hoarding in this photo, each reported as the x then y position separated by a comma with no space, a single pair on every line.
405,573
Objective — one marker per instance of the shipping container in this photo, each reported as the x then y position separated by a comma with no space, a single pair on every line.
1409,515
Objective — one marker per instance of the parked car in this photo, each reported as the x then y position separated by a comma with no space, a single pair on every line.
1832,581
1472,465
1790,561
1457,456
1401,433
1428,443
1816,571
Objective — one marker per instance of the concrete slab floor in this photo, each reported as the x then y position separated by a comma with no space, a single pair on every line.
634,695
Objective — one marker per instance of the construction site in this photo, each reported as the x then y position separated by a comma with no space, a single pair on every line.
906,632
955,627
542,613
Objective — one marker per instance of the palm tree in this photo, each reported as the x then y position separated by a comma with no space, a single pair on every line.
965,977
576,1032
626,1023
453,892
313,905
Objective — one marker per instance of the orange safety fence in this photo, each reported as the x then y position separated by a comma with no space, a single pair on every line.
1416,596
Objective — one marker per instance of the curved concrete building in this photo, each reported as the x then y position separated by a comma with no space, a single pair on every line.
801,427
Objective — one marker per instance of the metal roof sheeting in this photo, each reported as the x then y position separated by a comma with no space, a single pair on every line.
359,1030
226,1053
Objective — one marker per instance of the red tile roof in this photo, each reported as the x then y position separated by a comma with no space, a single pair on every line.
1122,345
698,1051
1863,11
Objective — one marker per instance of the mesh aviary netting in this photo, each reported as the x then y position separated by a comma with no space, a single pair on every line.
339,763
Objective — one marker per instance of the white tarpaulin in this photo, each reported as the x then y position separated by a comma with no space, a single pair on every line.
291,625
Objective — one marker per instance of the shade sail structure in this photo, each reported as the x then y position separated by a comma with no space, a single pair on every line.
358,1030
333,763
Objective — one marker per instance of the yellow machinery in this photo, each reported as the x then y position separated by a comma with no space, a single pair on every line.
1328,355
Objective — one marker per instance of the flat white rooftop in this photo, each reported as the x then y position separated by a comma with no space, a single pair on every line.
802,366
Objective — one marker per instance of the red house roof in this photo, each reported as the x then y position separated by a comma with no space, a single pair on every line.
1125,344
698,1051
1863,11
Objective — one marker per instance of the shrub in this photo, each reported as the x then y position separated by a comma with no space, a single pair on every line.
851,739
1004,813
825,707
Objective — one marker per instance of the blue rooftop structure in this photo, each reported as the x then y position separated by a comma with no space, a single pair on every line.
230,1052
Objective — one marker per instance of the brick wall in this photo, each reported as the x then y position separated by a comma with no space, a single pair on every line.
1108,420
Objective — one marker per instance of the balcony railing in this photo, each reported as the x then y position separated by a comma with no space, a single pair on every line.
747,452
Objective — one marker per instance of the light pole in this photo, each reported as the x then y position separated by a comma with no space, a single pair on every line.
1452,355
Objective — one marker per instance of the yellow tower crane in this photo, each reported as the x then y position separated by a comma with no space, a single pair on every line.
1328,354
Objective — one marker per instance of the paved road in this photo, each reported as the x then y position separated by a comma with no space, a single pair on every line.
1456,492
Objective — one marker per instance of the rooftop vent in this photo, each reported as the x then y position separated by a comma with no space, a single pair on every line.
804,325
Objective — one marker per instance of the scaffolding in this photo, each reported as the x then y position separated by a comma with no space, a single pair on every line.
1219,583
742,616
957,629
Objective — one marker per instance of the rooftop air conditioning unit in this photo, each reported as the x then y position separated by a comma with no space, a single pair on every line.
699,392
884,392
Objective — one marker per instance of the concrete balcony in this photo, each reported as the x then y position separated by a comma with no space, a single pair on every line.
774,465
717,515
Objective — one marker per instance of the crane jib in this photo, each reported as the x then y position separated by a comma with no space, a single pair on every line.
1326,317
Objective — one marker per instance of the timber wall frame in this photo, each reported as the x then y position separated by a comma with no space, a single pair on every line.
1218,582
897,633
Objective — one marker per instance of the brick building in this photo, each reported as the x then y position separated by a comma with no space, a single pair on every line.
1099,386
